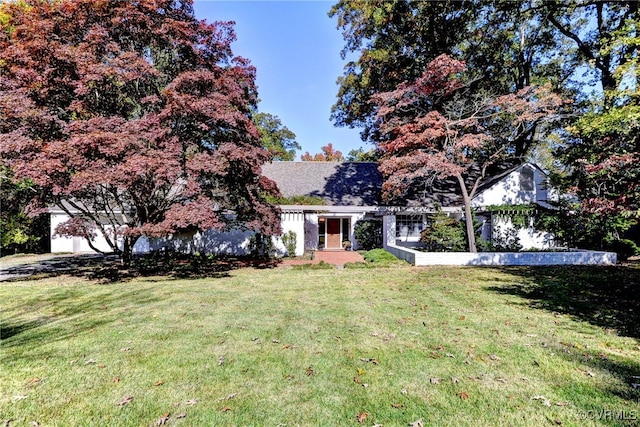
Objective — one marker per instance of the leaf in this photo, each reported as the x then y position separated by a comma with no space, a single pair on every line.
220,360
158,383
371,360
116,379
360,371
417,423
191,402
7,422
19,397
493,357
163,420
397,405
33,381
309,371
35,424
362,416
125,349
181,415
225,409
90,362
357,380
455,380
435,380
125,400
463,395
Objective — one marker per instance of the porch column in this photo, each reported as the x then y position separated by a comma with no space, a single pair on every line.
388,230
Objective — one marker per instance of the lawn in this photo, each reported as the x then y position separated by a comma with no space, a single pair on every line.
283,347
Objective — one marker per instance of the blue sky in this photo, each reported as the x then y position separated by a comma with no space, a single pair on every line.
295,48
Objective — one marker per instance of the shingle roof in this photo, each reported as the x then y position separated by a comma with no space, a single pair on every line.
360,184
339,184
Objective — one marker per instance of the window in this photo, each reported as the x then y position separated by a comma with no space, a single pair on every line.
526,179
409,226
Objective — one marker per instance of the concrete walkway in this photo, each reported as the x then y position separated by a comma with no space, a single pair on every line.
338,258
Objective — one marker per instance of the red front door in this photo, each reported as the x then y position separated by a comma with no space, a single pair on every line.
334,236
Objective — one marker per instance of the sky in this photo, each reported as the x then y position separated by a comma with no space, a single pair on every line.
295,48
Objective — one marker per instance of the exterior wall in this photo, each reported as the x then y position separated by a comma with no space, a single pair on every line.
291,221
72,244
503,258
529,237
508,191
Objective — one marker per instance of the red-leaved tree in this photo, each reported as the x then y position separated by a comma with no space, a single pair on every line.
133,117
329,154
436,128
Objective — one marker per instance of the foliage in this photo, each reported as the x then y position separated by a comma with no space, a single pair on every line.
290,241
359,155
135,119
20,232
329,154
296,200
504,240
322,265
368,233
275,137
443,234
261,246
574,226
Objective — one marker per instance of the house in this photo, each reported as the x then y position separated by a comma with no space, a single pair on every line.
350,191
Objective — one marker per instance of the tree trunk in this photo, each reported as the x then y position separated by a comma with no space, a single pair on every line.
468,217
127,249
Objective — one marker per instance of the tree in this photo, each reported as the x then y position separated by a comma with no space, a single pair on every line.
359,155
329,154
20,232
435,128
132,117
276,137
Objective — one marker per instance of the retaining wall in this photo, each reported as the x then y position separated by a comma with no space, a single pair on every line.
573,257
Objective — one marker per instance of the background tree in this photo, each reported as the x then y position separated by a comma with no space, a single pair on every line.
276,137
20,232
433,128
135,119
329,154
360,155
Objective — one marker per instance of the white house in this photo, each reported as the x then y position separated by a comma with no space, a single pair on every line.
351,191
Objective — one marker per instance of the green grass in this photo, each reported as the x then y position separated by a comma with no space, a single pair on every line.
449,346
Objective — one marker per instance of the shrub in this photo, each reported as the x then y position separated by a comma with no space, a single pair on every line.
368,233
444,234
379,255
290,241
625,248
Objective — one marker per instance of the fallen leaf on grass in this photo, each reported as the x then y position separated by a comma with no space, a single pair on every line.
463,395
100,365
116,379
493,357
455,380
225,409
35,424
6,422
90,362
125,349
125,400
435,380
586,372
397,405
309,371
158,383
562,404
366,359
417,423
19,397
33,381
362,416
191,402
544,400
357,380
182,415
163,420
